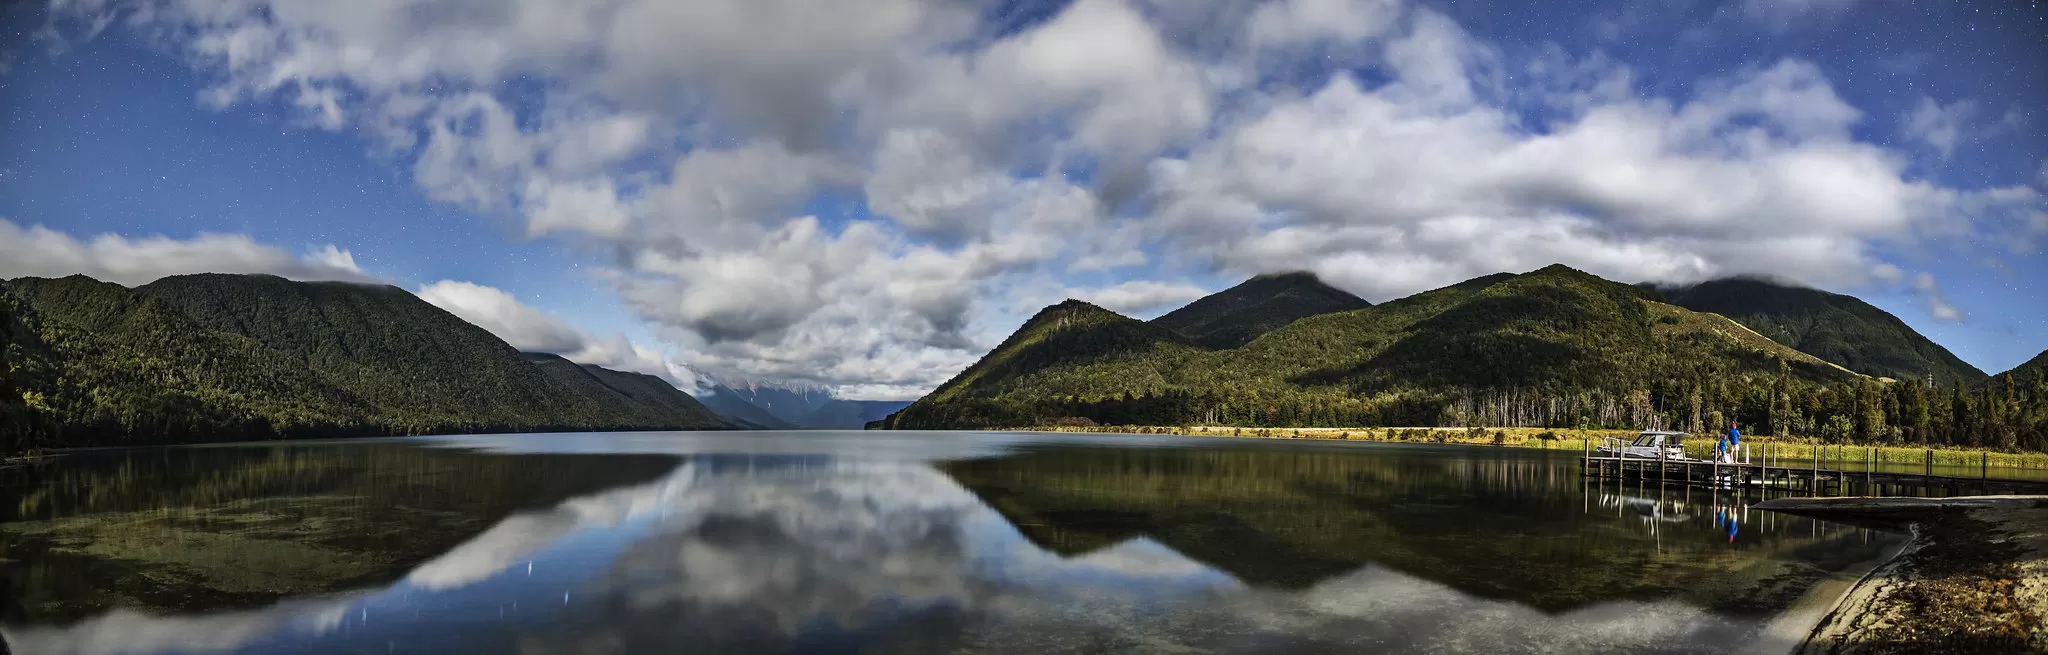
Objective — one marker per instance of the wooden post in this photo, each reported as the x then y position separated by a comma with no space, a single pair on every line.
1927,473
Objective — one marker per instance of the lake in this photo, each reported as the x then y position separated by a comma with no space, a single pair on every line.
878,542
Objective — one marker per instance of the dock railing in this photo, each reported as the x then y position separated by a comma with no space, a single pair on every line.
1832,469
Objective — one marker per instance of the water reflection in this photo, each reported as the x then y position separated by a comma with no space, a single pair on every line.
1022,546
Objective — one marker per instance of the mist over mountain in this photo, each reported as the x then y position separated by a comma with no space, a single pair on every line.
775,406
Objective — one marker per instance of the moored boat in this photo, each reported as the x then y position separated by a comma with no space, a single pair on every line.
1651,444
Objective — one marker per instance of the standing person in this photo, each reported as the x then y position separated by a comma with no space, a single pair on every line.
1724,450
1733,441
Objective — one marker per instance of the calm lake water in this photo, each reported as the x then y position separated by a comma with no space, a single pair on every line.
890,543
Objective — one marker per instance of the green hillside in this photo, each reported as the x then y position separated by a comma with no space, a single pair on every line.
1072,351
110,366
1234,316
2034,370
236,357
1551,347
416,362
1838,328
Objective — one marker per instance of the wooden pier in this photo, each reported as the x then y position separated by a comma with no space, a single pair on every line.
1850,473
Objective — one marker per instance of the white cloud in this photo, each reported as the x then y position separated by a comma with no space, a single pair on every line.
1777,13
525,327
854,195
530,329
1396,189
1937,126
1290,22
1140,297
1937,304
38,251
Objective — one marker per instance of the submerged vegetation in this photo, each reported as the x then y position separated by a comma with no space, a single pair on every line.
209,528
1555,348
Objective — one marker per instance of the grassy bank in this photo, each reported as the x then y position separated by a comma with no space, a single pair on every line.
1696,446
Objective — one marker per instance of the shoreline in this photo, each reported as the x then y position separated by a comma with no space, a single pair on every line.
1790,630
1570,439
1973,577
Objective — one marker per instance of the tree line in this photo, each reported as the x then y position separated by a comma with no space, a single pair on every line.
2010,412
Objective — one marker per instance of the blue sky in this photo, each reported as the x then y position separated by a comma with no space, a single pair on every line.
867,198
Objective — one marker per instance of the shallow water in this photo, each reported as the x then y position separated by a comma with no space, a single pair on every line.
887,543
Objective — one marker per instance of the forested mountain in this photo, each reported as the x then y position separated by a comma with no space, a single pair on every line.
1838,328
1233,317
1551,347
1069,352
233,357
630,397
2034,369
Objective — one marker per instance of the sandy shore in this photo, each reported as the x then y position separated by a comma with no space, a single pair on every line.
1974,579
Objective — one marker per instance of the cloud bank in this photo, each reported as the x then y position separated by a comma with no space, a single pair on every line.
981,163
530,329
37,251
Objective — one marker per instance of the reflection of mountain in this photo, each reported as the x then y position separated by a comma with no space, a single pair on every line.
763,554
245,526
1505,527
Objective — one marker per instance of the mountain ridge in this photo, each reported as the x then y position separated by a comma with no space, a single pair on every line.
1836,327
217,357
1448,354
1239,314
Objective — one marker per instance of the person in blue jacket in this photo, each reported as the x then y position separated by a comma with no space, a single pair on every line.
1729,442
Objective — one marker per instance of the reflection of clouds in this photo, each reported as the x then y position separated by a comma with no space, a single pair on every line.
872,445
127,631
1143,558
886,554
778,553
1407,613
519,536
